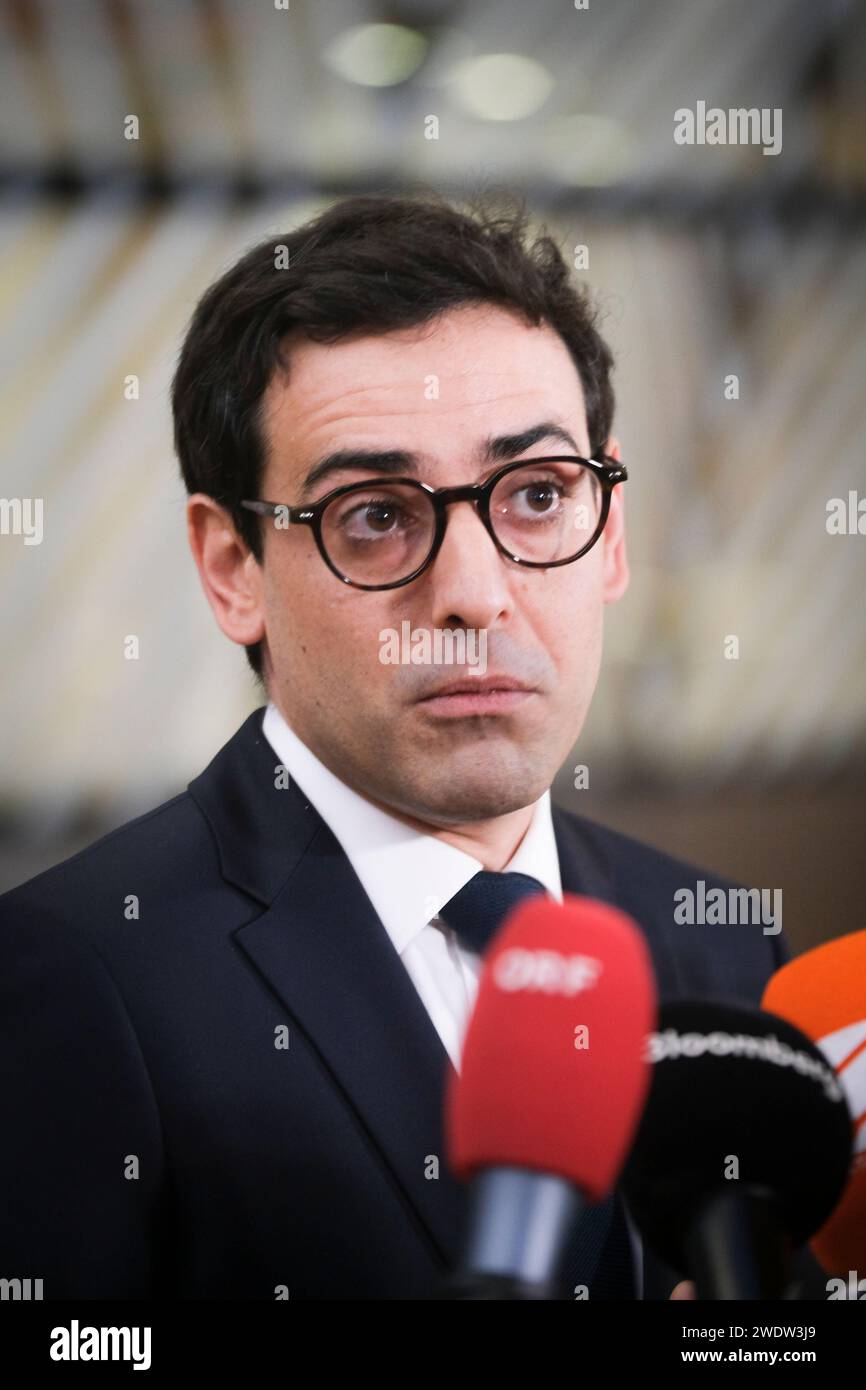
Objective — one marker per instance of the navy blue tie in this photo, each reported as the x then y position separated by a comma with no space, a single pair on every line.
476,913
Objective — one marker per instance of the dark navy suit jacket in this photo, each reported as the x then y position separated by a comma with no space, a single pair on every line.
160,1144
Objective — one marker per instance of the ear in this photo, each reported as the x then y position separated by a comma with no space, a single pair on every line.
616,571
230,575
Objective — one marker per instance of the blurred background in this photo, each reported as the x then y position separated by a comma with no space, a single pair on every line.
144,144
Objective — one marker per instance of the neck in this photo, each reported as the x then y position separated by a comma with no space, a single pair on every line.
493,842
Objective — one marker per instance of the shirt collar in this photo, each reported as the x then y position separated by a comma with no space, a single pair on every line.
407,875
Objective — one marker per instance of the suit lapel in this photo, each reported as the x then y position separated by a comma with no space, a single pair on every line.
586,867
320,947
582,868
322,950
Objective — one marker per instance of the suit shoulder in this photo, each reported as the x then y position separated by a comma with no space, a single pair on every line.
149,844
708,956
627,857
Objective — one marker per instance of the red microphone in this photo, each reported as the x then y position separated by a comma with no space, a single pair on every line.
824,993
552,1083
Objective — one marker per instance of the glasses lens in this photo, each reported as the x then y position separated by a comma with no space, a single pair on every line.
546,511
379,534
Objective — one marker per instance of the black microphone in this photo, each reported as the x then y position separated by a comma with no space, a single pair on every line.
743,1149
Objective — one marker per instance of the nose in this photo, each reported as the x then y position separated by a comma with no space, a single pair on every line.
468,582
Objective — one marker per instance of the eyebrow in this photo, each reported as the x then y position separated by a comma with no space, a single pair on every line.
499,449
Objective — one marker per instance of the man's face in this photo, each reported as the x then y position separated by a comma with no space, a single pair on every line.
373,724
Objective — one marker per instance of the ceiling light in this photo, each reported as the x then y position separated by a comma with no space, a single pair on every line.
502,86
376,55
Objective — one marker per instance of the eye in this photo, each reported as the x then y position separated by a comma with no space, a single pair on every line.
541,496
371,517
378,516
533,498
375,516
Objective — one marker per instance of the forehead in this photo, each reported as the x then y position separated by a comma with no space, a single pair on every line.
470,369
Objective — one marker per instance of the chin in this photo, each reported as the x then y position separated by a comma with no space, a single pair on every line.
476,798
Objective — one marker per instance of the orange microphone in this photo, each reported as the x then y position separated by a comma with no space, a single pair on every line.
823,992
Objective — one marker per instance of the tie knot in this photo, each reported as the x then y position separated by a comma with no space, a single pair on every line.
479,909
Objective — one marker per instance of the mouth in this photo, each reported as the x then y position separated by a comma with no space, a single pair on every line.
474,696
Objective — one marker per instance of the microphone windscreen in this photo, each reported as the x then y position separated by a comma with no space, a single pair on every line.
823,992
553,1073
738,1097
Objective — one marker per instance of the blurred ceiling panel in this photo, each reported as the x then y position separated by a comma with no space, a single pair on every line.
252,91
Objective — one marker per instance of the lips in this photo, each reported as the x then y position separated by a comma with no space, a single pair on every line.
485,695
477,685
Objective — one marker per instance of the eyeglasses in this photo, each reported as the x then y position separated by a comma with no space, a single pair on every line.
384,532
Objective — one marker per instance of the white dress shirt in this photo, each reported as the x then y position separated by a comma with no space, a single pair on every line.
408,876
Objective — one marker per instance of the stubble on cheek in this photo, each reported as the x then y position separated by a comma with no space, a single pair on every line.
360,716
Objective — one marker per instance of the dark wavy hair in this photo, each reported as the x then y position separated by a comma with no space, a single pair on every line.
367,264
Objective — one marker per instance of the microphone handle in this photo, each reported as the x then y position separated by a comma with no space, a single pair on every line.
519,1223
736,1247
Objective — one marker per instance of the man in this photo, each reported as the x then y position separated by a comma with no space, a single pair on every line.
227,1026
